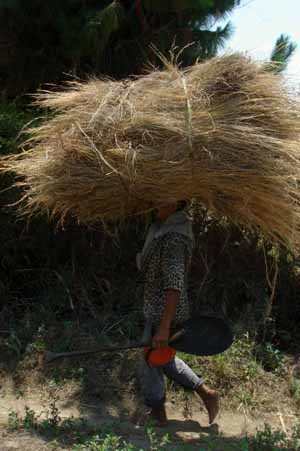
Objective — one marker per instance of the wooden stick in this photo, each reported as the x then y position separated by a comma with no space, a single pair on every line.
282,422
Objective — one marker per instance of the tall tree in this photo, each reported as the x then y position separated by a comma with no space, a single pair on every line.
128,27
42,40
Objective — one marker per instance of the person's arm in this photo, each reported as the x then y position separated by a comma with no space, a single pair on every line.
162,335
173,274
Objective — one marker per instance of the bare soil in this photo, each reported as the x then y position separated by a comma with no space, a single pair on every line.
107,398
184,427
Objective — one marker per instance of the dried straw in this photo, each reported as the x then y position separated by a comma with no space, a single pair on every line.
224,132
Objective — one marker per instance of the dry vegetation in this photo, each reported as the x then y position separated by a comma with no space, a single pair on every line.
225,132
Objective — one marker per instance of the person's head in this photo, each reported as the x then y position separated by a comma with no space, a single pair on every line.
166,209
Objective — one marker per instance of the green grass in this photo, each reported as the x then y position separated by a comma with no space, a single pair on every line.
239,363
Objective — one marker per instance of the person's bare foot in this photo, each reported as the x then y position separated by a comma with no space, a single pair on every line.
156,415
211,401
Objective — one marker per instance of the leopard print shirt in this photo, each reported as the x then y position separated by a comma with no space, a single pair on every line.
167,268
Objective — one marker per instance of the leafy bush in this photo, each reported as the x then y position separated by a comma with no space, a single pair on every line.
12,121
269,440
270,357
48,40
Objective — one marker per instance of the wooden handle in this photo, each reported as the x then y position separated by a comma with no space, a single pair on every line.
51,356
176,336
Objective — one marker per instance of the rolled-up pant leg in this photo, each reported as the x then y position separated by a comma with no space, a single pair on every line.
180,372
153,385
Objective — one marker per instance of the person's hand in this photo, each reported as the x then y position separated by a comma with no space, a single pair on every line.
161,338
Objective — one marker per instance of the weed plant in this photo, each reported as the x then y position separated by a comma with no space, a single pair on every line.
78,436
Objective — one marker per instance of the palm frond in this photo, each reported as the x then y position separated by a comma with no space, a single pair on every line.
283,50
208,42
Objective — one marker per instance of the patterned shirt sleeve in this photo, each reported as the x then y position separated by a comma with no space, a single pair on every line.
173,262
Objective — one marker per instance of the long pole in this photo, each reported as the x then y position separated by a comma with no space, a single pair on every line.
50,357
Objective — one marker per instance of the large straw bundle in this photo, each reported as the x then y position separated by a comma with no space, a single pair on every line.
224,132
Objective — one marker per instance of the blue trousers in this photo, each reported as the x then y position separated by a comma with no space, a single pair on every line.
153,384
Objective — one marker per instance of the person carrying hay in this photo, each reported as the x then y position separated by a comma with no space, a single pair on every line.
165,261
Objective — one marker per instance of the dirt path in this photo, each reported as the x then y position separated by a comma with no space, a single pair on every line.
229,428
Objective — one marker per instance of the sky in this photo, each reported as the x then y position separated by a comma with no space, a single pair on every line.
258,23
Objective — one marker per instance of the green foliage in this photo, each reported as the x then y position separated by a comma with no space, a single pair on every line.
270,357
157,443
53,421
30,420
110,442
12,120
51,39
236,373
295,389
107,21
295,445
53,425
177,5
268,440
237,365
48,421
14,344
79,437
61,376
14,421
281,54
